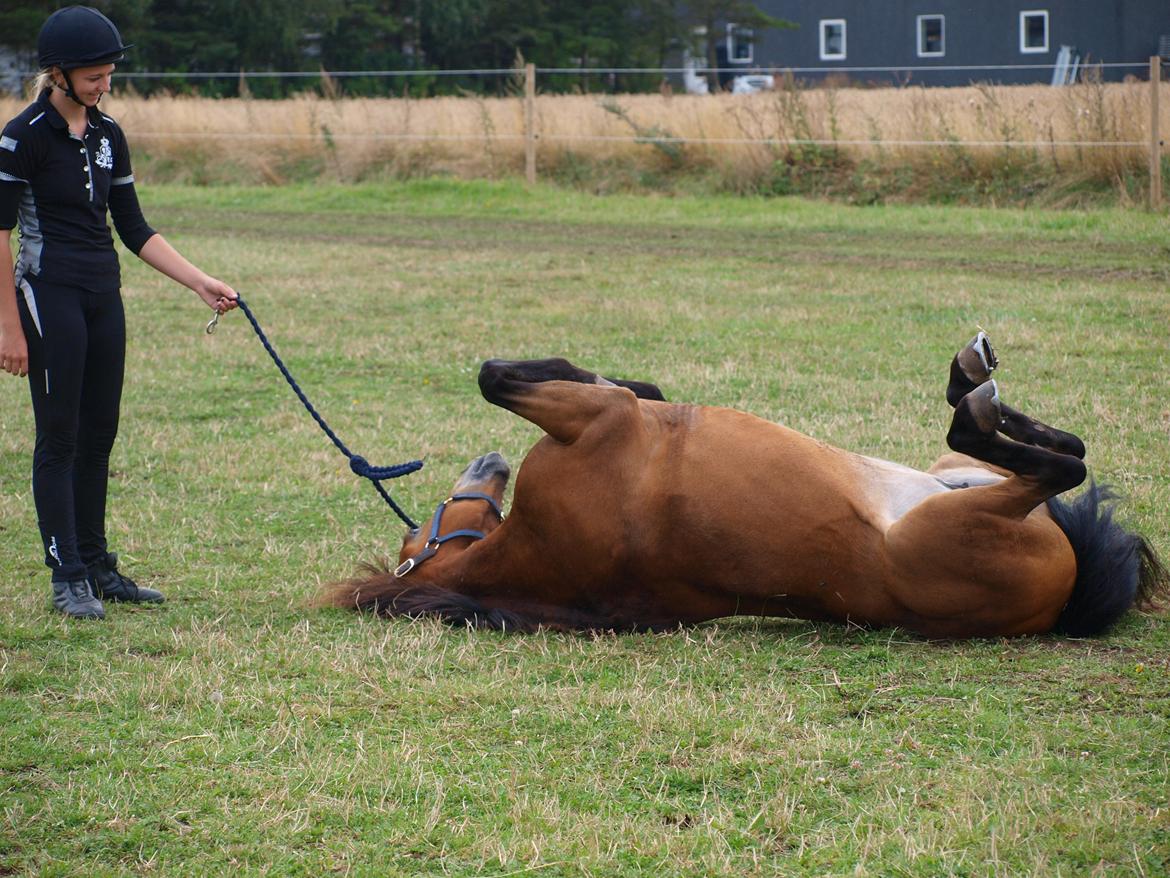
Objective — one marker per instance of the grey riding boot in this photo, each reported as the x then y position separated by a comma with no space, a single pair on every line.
111,585
74,598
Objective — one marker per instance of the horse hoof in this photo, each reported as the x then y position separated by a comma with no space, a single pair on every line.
984,405
977,359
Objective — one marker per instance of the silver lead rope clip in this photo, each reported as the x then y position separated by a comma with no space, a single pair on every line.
212,323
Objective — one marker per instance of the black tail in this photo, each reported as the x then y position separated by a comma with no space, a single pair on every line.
1116,569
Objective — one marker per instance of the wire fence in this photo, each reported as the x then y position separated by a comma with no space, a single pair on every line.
659,137
372,82
605,71
636,121
496,137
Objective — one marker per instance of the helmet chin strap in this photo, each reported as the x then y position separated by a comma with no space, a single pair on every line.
70,93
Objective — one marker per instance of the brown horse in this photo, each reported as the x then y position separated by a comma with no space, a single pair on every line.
638,514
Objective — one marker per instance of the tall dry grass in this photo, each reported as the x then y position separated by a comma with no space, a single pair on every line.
1090,130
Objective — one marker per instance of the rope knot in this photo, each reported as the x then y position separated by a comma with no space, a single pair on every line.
367,470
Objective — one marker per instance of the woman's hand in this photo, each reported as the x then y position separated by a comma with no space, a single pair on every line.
13,345
14,352
218,295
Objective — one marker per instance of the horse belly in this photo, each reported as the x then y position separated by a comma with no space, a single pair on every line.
765,527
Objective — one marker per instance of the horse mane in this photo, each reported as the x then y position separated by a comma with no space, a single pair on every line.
1116,569
376,589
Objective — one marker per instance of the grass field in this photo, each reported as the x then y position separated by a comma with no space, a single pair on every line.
234,730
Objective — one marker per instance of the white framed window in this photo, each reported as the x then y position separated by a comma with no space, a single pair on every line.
932,42
739,44
1034,31
832,39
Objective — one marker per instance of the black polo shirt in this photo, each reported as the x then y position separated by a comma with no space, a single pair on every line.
59,186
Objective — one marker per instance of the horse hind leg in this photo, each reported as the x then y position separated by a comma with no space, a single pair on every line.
971,367
1022,428
975,431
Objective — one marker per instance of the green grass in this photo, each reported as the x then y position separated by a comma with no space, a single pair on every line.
234,730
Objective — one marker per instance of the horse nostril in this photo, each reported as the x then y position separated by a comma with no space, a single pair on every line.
490,465
493,463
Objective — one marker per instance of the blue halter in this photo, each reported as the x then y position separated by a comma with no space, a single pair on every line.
434,541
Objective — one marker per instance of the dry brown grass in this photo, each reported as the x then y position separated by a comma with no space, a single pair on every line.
1079,130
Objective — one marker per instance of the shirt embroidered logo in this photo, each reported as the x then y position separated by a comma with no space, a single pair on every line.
105,155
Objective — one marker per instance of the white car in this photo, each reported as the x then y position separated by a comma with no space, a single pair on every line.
752,83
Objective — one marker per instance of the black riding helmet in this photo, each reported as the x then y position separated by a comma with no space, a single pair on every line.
78,36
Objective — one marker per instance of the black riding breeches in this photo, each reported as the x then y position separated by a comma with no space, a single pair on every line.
77,355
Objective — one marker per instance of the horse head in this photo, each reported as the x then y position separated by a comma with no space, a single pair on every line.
469,513
434,553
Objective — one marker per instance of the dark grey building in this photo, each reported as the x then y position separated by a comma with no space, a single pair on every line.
921,41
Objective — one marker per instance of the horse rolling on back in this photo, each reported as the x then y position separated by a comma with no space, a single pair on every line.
633,513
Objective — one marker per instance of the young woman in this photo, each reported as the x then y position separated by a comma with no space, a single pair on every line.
63,166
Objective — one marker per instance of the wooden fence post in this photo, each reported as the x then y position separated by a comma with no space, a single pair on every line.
1155,133
530,123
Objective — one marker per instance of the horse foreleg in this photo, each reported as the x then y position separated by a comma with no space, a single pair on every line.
558,397
642,389
971,367
560,369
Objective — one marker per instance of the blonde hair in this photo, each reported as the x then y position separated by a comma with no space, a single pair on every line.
41,81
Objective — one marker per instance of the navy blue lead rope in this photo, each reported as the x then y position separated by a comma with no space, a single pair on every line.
357,463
